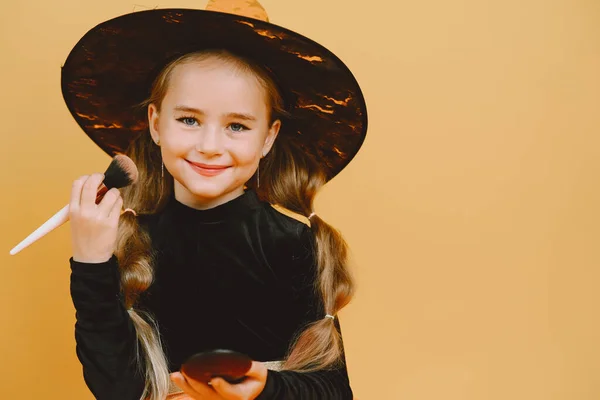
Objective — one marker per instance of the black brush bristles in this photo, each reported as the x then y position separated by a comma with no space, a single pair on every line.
121,172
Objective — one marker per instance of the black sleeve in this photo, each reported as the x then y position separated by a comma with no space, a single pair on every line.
326,384
104,333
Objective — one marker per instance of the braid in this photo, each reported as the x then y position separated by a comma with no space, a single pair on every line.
292,181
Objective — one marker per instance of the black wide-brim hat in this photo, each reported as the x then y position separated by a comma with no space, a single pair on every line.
110,71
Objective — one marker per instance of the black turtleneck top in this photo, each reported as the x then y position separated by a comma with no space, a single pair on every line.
238,276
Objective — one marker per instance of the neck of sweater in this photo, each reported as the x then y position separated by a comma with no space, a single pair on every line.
235,207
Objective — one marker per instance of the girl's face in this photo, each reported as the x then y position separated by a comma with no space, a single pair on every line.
213,127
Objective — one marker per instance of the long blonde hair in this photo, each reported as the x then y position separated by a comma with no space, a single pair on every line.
289,178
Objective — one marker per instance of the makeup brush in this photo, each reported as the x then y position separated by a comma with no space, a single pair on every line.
120,173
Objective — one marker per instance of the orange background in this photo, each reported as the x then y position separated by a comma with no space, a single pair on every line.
473,210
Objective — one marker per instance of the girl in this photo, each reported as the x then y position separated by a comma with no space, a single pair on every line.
241,114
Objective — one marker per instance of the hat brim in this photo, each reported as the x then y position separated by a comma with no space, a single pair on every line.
110,71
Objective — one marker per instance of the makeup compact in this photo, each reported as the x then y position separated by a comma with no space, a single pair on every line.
227,364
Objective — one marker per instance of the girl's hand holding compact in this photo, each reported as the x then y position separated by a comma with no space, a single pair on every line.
219,389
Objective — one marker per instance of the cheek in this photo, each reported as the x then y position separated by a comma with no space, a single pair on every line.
174,142
245,155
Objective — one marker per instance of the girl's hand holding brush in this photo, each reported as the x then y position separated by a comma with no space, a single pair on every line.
93,226
86,197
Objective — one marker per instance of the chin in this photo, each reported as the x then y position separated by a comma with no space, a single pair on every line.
212,190
207,191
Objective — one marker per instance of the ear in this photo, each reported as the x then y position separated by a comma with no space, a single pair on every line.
153,122
271,136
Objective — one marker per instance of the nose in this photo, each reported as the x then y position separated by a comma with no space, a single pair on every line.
209,141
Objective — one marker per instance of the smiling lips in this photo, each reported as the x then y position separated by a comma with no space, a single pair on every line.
207,169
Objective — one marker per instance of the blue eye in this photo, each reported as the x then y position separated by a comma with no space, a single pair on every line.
189,121
237,127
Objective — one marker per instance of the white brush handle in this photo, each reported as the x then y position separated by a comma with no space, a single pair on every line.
54,222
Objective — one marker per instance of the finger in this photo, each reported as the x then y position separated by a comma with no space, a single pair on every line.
108,201
257,370
254,384
190,387
76,192
90,190
248,389
199,387
180,382
228,390
115,211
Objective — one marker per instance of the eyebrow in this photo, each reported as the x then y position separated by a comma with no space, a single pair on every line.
242,116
